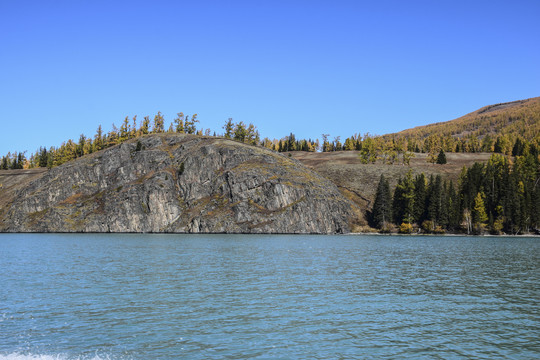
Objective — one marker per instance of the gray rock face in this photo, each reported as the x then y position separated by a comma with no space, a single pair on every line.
180,183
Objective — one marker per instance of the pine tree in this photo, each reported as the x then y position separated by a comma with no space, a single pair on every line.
444,214
112,137
519,147
326,147
229,128
50,157
43,157
252,135
441,158
420,198
98,139
291,142
5,163
434,200
159,123
189,124
124,130
403,202
179,122
478,214
381,213
145,126
454,213
240,132
80,146
134,127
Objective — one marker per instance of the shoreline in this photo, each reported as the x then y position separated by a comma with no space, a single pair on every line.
293,234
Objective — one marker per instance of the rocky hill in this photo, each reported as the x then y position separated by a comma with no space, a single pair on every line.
177,183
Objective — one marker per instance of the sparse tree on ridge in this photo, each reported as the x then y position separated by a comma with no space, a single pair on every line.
229,128
98,139
190,124
240,132
145,126
159,123
179,123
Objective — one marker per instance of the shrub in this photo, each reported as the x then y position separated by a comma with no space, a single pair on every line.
405,228
427,226
181,169
439,230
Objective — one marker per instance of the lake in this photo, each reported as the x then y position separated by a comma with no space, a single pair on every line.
105,296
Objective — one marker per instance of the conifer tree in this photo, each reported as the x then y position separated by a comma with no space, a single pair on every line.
50,157
5,163
112,136
252,135
179,123
80,146
420,198
43,157
189,124
134,127
124,130
478,213
229,128
441,158
403,202
337,144
435,200
159,123
454,214
381,213
326,146
519,147
98,139
240,132
145,126
291,142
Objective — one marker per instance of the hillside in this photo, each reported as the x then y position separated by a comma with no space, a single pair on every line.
175,183
482,127
358,181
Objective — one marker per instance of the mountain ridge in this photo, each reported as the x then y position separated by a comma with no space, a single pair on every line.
514,118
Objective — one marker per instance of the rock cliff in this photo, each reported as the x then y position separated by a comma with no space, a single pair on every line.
179,183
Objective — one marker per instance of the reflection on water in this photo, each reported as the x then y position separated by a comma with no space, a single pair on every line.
268,297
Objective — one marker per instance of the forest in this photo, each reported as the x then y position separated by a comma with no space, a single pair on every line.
501,196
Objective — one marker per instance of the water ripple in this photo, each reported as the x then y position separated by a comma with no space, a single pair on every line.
268,297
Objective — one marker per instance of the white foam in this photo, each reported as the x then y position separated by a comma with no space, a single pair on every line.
30,357
18,356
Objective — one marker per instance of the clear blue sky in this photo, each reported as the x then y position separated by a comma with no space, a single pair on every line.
310,67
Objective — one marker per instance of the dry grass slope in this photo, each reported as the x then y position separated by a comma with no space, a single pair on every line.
358,181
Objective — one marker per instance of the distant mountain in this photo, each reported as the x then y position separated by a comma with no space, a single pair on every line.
516,119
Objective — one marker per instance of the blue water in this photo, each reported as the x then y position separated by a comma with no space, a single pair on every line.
268,297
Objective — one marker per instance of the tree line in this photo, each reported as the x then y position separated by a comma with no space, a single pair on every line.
501,196
494,128
394,149
129,129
